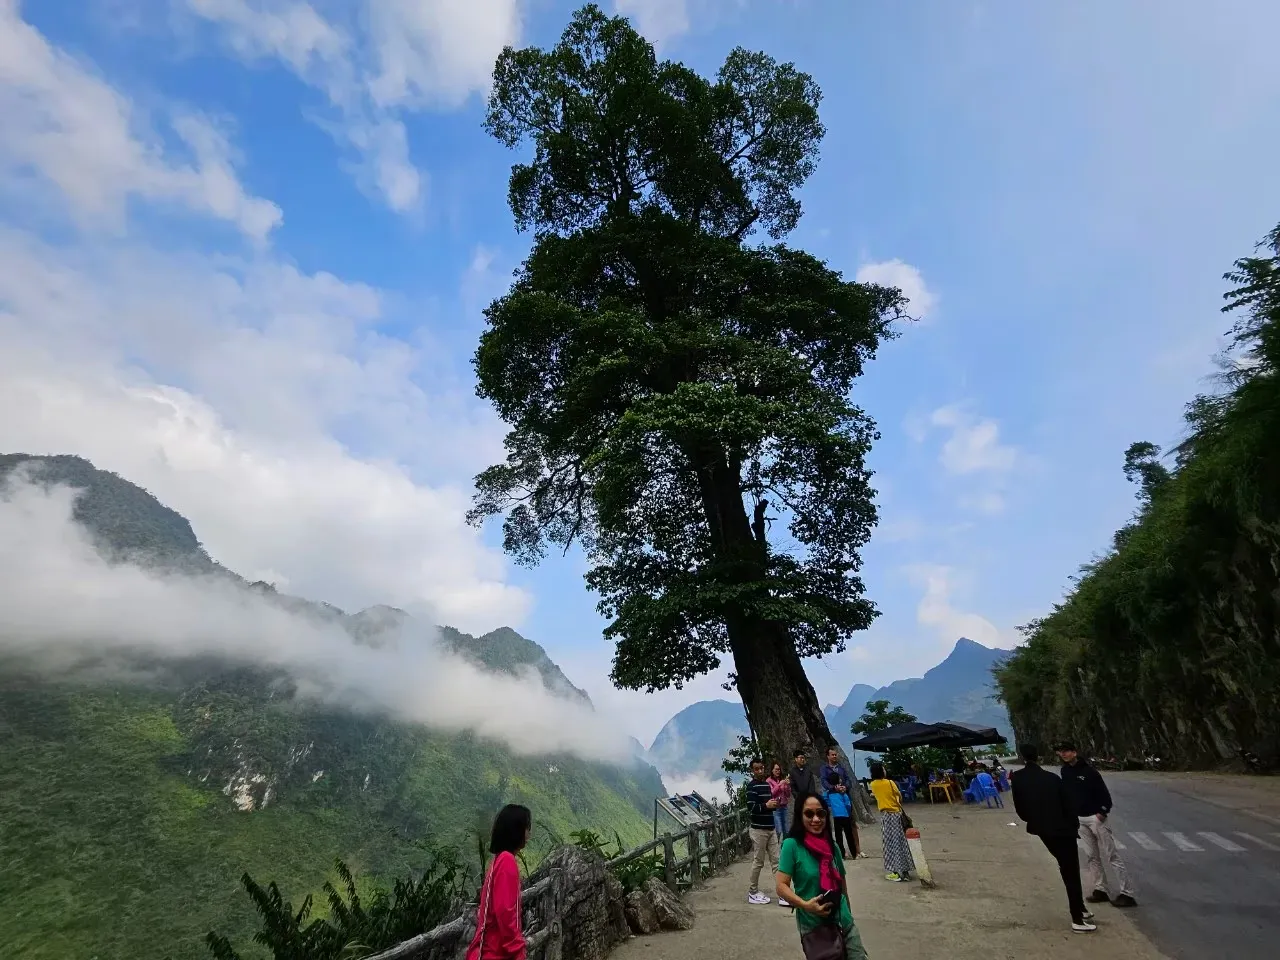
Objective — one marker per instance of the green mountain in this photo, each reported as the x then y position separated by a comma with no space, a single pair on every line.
130,807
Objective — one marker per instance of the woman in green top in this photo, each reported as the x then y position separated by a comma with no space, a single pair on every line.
811,879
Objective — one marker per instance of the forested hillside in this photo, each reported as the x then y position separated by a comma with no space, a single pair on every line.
131,803
1169,644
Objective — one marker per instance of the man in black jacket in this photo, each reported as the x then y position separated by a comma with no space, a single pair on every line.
1041,800
1092,801
804,782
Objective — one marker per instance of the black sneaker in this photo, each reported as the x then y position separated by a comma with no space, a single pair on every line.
1124,900
1098,896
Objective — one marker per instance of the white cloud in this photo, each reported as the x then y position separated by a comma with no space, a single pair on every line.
222,391
908,279
936,611
389,58
65,608
657,20
65,127
974,443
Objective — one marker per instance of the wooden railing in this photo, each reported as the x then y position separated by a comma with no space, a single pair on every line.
687,857
695,852
542,937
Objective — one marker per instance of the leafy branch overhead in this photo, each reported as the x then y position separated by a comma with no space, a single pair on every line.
677,396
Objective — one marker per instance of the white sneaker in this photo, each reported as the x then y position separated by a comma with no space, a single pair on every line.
1085,927
757,898
783,903
1088,915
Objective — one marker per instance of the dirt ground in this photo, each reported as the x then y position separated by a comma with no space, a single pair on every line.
998,897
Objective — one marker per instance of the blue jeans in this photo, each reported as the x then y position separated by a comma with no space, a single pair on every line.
780,821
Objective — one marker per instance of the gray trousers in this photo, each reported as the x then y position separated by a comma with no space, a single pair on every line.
1099,845
764,844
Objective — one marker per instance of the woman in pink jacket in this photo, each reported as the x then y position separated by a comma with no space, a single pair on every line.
780,791
498,919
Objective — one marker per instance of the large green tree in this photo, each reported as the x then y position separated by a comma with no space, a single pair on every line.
677,385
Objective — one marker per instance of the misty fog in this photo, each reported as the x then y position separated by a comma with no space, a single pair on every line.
64,608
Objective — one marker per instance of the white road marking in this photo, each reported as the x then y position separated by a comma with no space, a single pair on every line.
1223,842
1182,843
1265,845
1145,842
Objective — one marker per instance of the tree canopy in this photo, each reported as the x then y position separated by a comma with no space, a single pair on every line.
668,380
880,715
1169,644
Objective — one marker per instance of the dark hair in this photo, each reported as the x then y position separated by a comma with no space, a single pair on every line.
833,747
755,760
1029,752
780,765
797,831
1067,745
877,771
509,829
799,752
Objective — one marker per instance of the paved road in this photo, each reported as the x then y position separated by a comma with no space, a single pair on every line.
1207,879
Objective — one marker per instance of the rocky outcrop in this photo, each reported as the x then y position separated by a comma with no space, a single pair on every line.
641,917
592,917
672,912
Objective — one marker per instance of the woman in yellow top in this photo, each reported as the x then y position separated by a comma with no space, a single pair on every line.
897,855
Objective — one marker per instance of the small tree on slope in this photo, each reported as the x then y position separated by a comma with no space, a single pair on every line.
668,384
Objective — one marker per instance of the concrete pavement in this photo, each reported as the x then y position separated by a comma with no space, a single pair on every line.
1204,856
999,897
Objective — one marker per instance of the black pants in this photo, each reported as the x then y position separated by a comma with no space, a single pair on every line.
1064,851
845,830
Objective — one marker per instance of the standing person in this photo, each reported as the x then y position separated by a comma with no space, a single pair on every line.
1042,802
841,807
845,784
1092,802
803,781
764,842
780,787
898,862
811,879
498,932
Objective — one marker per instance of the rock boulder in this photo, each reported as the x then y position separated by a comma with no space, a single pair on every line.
641,917
672,912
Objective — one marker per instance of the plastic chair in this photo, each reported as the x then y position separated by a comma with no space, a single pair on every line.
984,786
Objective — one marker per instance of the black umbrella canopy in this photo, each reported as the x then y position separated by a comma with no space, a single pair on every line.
973,735
911,734
916,734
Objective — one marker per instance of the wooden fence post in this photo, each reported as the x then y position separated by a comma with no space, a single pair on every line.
695,857
669,862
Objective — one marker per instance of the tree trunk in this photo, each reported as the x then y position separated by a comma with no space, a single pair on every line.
782,708
781,705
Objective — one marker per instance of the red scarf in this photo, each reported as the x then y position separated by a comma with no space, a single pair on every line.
820,847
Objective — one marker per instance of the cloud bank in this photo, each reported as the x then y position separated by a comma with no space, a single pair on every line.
64,608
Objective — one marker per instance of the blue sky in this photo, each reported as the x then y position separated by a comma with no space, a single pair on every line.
245,246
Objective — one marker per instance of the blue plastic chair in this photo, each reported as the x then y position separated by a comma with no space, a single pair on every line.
984,786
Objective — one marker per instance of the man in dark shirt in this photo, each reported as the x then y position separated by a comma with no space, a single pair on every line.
1092,801
764,839
1041,800
803,781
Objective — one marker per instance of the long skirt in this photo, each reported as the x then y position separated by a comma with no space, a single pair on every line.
897,855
